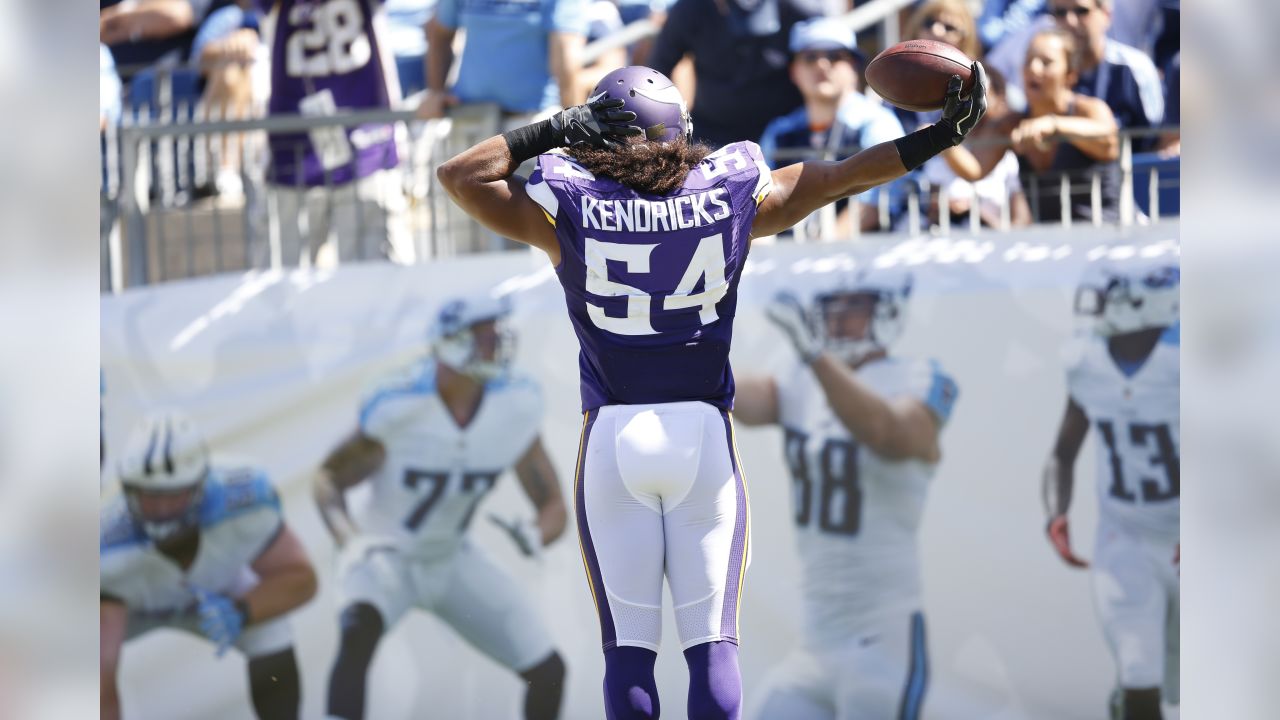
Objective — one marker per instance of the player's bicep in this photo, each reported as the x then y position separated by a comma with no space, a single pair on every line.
283,552
538,476
916,429
358,457
755,400
504,206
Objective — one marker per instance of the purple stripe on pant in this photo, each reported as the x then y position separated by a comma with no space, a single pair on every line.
738,552
608,635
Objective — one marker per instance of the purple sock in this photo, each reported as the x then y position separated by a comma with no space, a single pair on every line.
715,684
630,692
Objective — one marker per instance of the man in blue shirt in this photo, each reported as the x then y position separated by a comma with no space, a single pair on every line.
836,120
523,55
1119,74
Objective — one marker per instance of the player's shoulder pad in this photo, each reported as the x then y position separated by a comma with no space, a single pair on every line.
1075,352
1172,335
118,530
741,161
553,179
230,492
418,379
940,392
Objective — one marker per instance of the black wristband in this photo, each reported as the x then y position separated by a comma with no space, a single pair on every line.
530,140
242,607
916,149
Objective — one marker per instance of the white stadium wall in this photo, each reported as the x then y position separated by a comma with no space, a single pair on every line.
272,367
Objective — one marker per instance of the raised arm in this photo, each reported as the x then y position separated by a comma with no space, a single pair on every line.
439,59
358,457
802,188
481,179
1059,480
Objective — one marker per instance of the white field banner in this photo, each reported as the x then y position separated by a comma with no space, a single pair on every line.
273,365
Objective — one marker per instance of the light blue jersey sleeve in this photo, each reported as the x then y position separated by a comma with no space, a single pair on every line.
875,124
937,390
447,13
567,16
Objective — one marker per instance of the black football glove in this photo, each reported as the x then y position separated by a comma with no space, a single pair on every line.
961,115
598,123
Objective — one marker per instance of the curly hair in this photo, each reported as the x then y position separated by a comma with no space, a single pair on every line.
648,167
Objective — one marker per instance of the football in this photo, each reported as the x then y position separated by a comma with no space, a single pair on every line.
913,75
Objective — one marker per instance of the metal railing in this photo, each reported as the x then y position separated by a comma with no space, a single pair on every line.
157,227
161,232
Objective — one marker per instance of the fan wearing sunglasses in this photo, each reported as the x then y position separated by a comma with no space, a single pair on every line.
1121,75
948,21
835,122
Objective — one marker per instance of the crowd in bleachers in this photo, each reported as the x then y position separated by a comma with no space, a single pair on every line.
1067,75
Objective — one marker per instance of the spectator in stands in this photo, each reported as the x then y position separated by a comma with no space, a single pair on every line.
835,121
968,183
1062,134
407,38
216,36
1001,18
525,56
635,10
1120,75
226,47
740,60
332,192
603,20
947,21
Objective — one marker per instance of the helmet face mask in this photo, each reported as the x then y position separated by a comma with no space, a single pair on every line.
162,472
863,314
472,337
661,111
1120,300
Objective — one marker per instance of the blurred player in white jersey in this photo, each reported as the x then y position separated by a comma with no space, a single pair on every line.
861,442
202,549
433,442
1122,379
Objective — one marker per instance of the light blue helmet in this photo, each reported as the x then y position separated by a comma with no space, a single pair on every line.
1124,296
453,343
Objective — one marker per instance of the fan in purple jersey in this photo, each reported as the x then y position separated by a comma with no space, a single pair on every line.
649,234
331,185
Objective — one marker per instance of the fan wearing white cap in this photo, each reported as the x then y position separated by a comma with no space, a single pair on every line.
204,549
431,443
835,121
861,436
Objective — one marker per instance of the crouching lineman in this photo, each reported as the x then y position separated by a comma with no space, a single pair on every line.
861,442
202,549
433,441
1123,380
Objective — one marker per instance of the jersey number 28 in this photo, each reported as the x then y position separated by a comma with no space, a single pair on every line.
335,44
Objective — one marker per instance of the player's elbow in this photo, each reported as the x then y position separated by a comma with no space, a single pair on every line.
450,175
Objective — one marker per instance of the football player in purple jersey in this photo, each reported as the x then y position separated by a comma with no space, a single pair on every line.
648,234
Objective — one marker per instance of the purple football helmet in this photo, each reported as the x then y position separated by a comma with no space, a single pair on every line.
660,110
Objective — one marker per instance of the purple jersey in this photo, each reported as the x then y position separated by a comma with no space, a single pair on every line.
652,281
326,56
